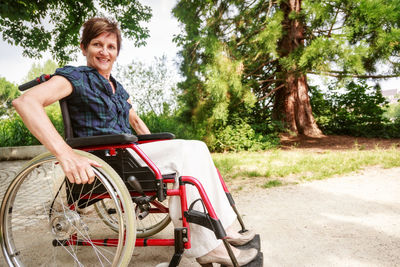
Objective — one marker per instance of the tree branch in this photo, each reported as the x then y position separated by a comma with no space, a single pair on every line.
339,74
259,67
266,80
270,93
333,23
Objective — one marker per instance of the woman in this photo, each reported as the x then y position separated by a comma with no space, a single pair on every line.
99,105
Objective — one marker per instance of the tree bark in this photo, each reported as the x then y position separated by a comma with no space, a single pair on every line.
292,102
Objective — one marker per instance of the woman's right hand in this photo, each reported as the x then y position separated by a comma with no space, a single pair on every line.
77,168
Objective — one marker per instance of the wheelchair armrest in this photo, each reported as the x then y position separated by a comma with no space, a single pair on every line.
109,139
156,136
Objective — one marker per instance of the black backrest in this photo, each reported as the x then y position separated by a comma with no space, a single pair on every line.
68,133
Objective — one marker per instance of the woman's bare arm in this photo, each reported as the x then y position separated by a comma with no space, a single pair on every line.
30,107
137,124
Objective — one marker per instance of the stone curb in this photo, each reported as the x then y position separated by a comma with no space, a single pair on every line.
21,152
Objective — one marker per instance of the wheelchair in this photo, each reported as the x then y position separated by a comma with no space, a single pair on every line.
47,221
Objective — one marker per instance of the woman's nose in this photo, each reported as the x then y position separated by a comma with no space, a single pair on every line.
103,50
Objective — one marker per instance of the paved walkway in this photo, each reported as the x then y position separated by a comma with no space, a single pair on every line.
8,169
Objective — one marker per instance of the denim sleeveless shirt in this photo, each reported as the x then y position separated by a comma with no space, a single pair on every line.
93,108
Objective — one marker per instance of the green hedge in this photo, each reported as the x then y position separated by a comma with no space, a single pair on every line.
355,109
13,131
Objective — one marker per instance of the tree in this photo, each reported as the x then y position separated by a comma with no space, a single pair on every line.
152,86
245,58
8,92
49,67
53,25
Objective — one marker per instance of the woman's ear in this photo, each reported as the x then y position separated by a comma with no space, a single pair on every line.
83,50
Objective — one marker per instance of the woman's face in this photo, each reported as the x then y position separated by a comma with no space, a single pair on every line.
101,53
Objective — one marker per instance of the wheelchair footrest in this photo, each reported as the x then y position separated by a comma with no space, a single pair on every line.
257,262
254,243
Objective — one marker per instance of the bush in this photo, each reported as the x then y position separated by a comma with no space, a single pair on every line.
357,110
241,137
392,112
166,122
236,137
13,131
8,92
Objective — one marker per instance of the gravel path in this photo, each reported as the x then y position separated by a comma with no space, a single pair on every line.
345,221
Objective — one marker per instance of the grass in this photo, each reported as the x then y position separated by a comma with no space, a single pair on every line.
272,183
277,165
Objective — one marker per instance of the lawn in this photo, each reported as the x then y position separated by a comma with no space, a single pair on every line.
279,167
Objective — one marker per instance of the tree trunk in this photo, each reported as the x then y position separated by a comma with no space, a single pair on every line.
292,102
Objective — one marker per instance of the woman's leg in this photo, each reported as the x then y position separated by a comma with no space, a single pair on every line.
192,158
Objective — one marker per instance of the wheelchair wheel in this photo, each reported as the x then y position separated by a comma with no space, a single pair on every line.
150,225
47,221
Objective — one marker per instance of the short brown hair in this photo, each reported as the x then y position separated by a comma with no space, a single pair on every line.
96,26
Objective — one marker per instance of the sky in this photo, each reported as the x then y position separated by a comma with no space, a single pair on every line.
163,26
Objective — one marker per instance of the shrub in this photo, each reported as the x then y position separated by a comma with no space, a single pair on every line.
241,137
8,92
357,110
392,112
166,122
235,137
13,131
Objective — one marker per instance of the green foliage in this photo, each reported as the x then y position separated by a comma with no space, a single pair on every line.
13,131
167,122
214,91
37,69
8,92
355,109
241,137
392,112
236,54
53,25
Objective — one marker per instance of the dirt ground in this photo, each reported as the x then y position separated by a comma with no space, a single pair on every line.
336,142
353,220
